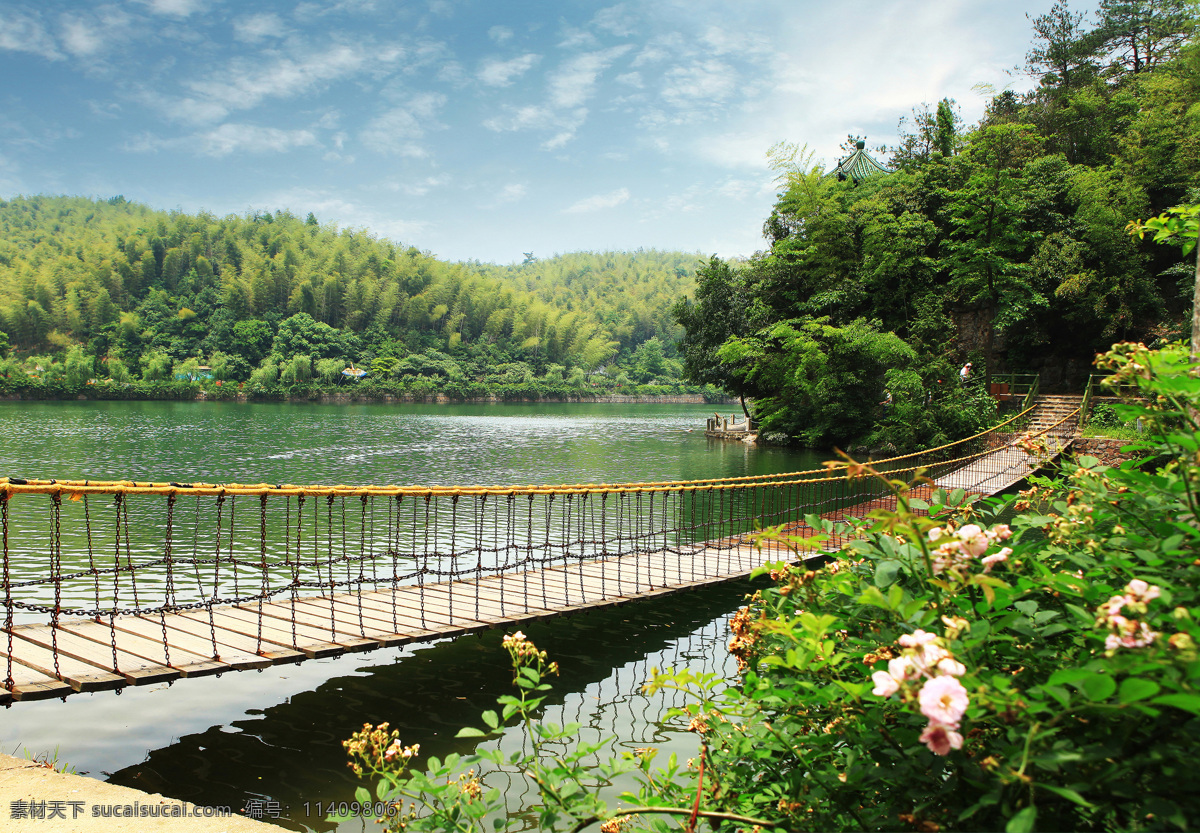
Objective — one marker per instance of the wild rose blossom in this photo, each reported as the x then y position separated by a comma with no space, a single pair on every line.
990,561
1125,631
943,700
885,684
957,548
941,738
941,697
974,542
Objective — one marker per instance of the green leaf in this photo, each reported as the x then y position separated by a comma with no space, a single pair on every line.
1135,688
1068,794
1023,821
1099,687
886,572
917,503
1187,702
362,795
1058,693
956,497
490,718
470,732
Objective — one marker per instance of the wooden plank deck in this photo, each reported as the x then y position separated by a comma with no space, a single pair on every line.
1001,469
231,638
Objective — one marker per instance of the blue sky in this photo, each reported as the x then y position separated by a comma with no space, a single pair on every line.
472,129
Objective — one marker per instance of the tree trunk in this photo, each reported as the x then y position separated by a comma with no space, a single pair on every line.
745,410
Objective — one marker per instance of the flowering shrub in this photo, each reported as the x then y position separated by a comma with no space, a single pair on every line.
1021,663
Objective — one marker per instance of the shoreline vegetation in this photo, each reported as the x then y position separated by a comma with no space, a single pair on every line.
415,390
418,391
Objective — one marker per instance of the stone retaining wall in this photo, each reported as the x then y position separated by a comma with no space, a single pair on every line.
1105,450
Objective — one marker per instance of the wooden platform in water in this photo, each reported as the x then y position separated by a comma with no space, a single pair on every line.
129,650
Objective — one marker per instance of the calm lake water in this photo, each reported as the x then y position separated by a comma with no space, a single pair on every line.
275,735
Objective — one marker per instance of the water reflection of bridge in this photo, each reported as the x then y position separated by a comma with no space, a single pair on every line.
170,580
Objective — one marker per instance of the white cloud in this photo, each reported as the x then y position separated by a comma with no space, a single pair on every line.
256,27
419,188
392,131
617,20
631,79
710,82
573,37
599,202
496,73
558,140
228,138
521,118
175,8
511,193
500,34
233,137
23,33
79,38
575,81
246,83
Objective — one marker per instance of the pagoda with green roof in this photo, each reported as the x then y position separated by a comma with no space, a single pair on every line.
858,166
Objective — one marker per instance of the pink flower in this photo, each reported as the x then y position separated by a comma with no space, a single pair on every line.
885,684
935,533
952,667
992,560
1113,606
929,656
917,638
1141,591
941,738
1002,531
943,700
973,540
1129,633
902,668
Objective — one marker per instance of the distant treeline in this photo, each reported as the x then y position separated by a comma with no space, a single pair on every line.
113,290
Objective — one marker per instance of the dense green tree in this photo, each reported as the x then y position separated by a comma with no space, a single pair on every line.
720,311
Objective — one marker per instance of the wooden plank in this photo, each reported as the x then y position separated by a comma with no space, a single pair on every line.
517,602
408,614
493,604
28,677
82,676
434,601
451,600
239,621
231,641
493,599
135,668
189,652
378,630
41,691
283,611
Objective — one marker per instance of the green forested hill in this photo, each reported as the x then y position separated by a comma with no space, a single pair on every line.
117,285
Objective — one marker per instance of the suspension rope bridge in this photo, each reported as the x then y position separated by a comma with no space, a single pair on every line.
109,584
